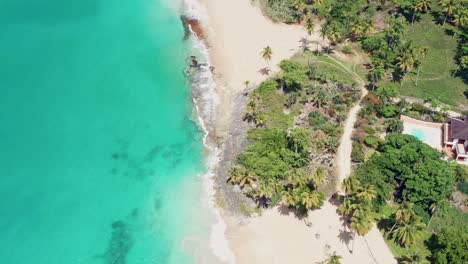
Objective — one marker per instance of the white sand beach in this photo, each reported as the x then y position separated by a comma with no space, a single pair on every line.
237,33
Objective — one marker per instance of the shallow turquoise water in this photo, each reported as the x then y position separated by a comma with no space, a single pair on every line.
98,154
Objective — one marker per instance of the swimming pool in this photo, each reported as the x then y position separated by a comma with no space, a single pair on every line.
418,133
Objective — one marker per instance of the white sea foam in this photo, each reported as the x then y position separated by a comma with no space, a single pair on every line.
206,102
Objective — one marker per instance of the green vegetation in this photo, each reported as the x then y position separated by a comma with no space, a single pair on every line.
435,79
298,115
421,49
412,175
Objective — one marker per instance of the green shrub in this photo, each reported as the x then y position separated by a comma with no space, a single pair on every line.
372,141
463,187
347,49
294,80
357,154
290,66
413,114
419,108
267,87
279,10
317,119
388,111
369,130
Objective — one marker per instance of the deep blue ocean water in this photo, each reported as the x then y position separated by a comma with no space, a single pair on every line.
99,156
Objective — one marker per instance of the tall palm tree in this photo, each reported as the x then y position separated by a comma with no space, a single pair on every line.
312,199
241,176
334,259
415,8
309,26
264,193
246,84
405,63
424,5
422,54
300,9
412,258
448,7
297,178
348,207
267,53
361,223
366,193
460,19
318,2
408,232
403,213
319,175
289,198
434,208
350,185
376,73
247,179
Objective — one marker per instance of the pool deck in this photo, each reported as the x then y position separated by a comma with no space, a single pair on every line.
432,131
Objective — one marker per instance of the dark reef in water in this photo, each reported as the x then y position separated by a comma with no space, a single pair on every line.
119,245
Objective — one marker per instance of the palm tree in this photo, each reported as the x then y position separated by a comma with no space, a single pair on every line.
422,53
247,84
405,63
361,223
420,6
434,208
241,176
247,179
309,26
376,73
251,111
319,175
366,193
300,7
289,198
311,199
318,2
297,178
348,207
264,193
350,185
448,7
460,19
411,258
334,259
394,125
408,232
403,213
415,8
424,5
267,53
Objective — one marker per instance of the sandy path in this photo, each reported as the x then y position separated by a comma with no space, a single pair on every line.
343,156
237,34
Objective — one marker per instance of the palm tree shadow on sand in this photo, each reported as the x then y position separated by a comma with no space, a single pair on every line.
265,71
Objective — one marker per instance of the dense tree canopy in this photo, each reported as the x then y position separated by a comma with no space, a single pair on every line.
407,169
450,247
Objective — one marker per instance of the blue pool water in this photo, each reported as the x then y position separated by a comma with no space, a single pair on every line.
418,133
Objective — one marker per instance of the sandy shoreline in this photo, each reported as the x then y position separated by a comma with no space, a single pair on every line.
237,32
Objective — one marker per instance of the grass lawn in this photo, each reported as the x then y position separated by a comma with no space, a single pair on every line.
435,79
326,66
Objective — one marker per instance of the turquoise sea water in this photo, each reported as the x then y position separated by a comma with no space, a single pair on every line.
98,154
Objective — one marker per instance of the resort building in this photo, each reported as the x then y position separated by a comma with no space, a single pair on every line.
456,137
